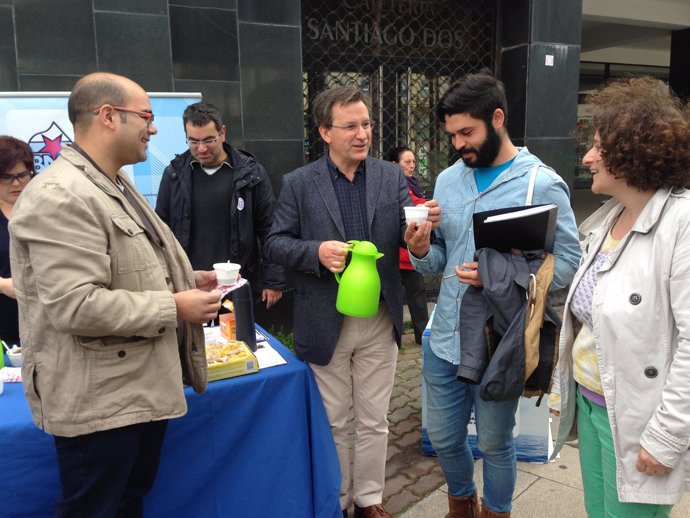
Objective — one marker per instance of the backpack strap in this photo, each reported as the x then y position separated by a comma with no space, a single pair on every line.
532,181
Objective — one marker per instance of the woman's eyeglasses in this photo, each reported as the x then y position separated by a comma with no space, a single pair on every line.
7,179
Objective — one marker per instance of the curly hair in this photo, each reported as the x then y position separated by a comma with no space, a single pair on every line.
644,131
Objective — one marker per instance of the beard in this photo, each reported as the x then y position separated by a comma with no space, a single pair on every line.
487,152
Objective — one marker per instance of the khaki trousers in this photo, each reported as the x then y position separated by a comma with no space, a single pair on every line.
362,370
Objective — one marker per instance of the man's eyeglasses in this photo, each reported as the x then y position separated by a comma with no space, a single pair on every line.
7,179
353,127
147,116
192,142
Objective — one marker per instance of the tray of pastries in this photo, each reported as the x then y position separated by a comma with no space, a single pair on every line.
227,359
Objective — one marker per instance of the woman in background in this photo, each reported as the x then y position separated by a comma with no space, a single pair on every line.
16,169
413,282
624,359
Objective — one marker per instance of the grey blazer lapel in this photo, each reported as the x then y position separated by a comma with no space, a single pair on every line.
324,184
374,177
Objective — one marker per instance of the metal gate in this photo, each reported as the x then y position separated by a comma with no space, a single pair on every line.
404,53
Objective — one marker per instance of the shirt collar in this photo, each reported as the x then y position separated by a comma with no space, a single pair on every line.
335,172
227,161
83,153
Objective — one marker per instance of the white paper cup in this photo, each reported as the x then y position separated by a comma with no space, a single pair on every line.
416,214
227,273
15,359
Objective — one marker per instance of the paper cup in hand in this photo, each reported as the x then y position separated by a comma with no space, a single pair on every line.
227,273
416,214
15,359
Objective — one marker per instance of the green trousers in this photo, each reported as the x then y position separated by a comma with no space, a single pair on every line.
598,465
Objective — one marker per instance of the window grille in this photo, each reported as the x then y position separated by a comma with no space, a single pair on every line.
405,54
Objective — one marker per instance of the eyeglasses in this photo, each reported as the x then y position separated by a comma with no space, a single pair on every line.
353,127
7,179
192,142
147,116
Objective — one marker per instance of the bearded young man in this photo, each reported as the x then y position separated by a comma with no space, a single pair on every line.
492,174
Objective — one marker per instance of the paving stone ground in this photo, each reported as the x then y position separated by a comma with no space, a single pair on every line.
415,487
410,476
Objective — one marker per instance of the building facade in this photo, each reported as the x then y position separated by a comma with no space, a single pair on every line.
262,61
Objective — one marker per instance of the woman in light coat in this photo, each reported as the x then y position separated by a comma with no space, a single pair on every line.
624,364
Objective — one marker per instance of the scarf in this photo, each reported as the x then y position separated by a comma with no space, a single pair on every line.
414,186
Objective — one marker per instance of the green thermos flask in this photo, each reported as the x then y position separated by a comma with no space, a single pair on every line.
360,286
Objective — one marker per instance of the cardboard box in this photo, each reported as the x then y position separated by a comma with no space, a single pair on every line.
227,359
227,325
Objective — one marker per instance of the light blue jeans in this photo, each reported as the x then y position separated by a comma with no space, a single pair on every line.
449,406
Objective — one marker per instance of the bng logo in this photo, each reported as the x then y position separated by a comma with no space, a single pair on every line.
46,146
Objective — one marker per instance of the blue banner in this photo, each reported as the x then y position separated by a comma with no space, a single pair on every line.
40,118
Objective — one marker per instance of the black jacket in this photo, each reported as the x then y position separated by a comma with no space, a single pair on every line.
493,320
249,226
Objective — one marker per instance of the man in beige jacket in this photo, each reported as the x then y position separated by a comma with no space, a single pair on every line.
109,306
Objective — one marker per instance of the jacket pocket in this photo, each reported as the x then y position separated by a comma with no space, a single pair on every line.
113,366
130,247
101,342
29,383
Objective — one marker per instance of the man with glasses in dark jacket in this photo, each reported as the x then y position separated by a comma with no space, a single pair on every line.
218,201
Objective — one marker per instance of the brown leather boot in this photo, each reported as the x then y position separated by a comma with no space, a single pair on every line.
488,513
372,511
463,506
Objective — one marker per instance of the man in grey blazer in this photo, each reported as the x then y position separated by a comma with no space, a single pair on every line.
346,195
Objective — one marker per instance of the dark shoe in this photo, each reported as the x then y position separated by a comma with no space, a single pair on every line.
463,506
372,511
488,513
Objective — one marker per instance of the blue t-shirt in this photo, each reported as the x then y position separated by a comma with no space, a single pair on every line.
484,176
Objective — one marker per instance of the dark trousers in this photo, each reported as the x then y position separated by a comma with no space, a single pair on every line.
415,293
106,474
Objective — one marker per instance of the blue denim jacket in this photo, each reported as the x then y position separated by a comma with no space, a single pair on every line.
453,244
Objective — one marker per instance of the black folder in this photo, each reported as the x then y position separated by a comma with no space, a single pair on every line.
531,227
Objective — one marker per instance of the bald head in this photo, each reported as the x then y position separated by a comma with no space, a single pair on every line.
94,90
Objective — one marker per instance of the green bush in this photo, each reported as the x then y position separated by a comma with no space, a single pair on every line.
287,339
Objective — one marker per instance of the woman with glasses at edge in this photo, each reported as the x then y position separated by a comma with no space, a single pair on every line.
16,169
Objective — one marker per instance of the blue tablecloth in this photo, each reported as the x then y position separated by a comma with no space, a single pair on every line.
253,446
